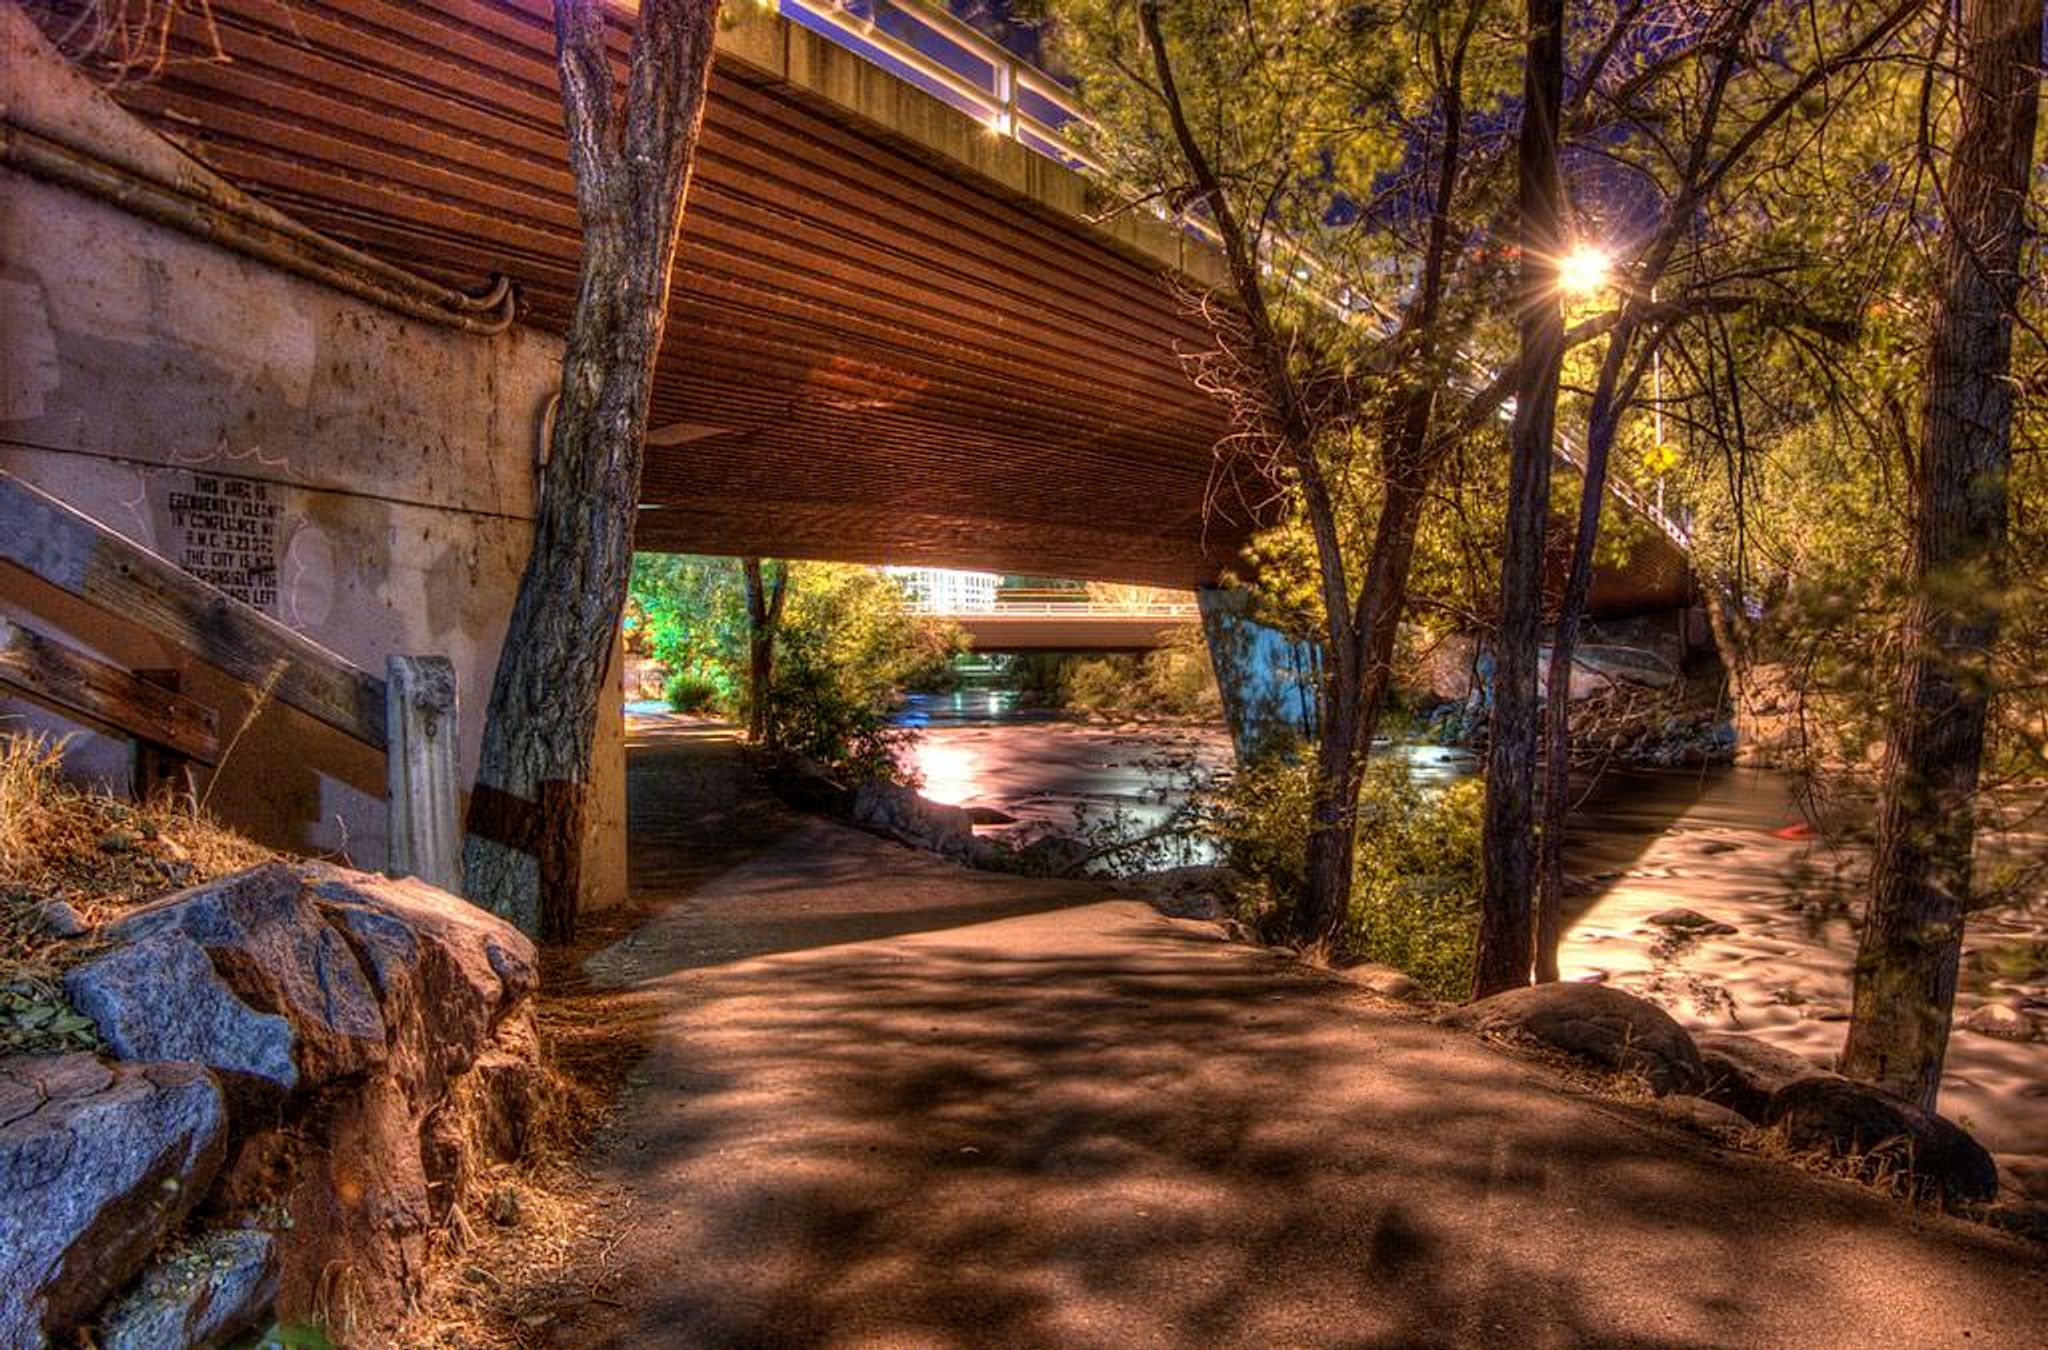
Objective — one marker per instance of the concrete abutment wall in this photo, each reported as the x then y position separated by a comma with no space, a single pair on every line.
364,478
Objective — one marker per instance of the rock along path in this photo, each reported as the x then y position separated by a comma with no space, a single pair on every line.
892,1103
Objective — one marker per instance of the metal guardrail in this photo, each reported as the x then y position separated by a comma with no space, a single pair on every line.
1053,609
955,63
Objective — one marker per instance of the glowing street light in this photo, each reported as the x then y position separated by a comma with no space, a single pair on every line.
1585,270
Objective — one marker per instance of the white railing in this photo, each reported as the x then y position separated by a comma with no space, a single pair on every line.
1054,609
1009,96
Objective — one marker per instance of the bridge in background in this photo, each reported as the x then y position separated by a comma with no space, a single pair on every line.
1068,621
904,325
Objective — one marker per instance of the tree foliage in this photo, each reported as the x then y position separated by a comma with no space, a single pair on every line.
846,648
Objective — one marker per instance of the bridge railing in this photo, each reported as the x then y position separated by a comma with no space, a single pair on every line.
955,63
1064,609
408,716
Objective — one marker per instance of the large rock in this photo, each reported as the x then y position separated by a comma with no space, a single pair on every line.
1601,1026
207,1292
272,946
159,998
1743,1073
1888,1135
1196,891
902,813
98,1163
445,972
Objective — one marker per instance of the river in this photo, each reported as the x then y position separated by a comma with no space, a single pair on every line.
1732,844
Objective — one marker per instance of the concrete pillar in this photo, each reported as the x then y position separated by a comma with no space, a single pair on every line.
1269,681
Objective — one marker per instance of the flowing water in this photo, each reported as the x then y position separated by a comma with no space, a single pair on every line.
1731,844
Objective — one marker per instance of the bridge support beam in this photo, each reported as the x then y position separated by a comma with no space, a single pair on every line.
1269,681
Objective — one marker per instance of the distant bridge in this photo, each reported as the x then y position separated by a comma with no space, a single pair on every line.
1042,621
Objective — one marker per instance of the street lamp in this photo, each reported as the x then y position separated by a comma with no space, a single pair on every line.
1585,270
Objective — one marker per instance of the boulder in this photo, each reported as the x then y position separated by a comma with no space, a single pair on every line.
1995,1019
207,1292
1053,855
1743,1072
1689,921
902,813
1590,1022
271,945
1197,891
1889,1135
57,919
444,971
159,998
1704,1115
98,1162
1385,981
808,786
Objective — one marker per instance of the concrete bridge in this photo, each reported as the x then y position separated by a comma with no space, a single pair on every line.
1059,625
904,327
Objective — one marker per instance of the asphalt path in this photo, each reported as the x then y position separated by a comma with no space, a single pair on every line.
894,1103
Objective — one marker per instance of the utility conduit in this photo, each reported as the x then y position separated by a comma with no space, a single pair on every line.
220,217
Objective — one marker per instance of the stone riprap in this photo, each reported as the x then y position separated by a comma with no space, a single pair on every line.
317,1054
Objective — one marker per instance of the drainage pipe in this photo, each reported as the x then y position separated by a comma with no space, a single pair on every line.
257,232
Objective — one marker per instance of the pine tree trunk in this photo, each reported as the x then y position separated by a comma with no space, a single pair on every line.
1920,884
1508,842
522,858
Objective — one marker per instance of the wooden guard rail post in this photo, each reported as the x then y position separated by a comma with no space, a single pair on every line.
409,716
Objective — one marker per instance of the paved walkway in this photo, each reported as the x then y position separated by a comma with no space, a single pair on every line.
894,1103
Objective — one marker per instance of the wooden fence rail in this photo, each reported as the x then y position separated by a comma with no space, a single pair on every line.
409,715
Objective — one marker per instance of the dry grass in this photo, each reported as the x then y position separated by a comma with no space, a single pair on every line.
99,855
95,852
536,1238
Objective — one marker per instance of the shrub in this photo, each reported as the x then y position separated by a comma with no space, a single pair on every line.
690,692
1415,883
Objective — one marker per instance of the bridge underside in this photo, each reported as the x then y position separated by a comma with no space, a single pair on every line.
893,336
872,354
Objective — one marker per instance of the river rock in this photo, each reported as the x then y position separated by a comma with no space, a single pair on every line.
1743,1073
1385,981
207,1292
1851,1118
902,813
1703,1114
1689,921
97,1163
159,998
270,944
989,815
1602,1026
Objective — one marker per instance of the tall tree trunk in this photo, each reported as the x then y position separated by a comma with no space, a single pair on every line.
764,616
1508,843
522,858
1920,885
